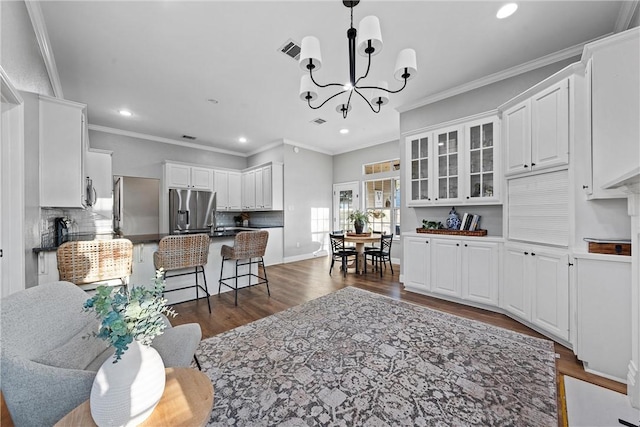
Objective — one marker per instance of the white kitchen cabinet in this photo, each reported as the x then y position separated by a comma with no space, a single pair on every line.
536,131
260,188
454,165
249,190
446,274
603,287
535,287
416,263
228,188
62,131
480,271
143,270
47,267
613,75
189,177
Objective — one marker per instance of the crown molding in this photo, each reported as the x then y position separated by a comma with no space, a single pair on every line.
40,28
306,147
365,145
148,137
265,148
625,15
560,55
8,92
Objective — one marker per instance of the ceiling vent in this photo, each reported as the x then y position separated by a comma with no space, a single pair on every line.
318,121
192,138
291,49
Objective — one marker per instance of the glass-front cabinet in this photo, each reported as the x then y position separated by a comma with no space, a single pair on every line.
457,164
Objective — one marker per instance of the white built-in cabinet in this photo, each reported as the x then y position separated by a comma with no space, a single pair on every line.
535,287
189,177
613,78
63,134
465,269
454,164
263,188
536,131
228,188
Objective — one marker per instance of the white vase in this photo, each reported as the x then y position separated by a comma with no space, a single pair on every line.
125,393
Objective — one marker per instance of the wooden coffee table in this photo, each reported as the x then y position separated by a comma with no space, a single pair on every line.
187,401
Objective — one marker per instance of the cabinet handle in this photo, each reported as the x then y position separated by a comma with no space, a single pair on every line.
533,254
436,198
533,164
429,198
457,244
427,242
468,197
526,253
526,166
584,187
570,264
465,245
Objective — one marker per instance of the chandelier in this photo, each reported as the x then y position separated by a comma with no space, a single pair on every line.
369,43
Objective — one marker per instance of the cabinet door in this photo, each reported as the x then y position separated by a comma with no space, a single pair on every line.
249,190
259,189
515,288
267,187
481,161
550,127
549,275
419,155
480,272
517,138
447,165
221,180
62,180
178,176
446,267
416,259
202,178
235,190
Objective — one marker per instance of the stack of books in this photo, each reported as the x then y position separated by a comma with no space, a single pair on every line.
470,222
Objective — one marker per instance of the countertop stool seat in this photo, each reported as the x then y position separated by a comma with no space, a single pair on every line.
248,249
84,262
181,252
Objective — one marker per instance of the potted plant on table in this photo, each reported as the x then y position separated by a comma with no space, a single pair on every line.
133,378
359,218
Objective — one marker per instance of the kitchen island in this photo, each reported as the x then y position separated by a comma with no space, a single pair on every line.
145,245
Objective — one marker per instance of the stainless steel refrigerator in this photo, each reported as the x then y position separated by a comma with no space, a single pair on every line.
191,211
136,205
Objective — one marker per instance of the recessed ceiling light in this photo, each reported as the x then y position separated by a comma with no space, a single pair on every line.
125,113
506,10
242,139
344,131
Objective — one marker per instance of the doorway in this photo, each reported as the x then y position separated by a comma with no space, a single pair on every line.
346,199
12,266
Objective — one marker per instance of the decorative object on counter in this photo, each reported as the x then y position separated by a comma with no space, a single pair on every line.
453,220
238,220
431,224
130,383
470,222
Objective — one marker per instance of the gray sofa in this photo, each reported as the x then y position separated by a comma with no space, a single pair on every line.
47,362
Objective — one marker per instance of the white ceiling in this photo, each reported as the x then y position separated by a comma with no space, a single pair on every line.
164,59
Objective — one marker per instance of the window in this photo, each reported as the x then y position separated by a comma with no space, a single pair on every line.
382,196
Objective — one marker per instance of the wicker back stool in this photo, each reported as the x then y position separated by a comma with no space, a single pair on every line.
88,261
183,251
247,246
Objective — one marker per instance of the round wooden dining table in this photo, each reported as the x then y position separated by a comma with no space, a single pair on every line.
360,240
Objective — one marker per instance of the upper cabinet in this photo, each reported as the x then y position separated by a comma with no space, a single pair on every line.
613,76
263,188
536,131
63,135
454,164
189,177
228,188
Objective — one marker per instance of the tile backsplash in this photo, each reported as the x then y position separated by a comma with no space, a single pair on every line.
83,221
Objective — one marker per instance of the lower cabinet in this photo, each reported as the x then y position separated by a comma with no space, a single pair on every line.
467,269
535,287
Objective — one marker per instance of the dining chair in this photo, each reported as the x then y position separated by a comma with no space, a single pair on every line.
380,255
340,252
248,249
184,252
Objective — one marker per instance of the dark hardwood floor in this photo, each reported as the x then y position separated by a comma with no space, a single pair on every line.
296,283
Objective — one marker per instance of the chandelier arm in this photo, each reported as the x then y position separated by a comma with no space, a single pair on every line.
386,90
321,85
366,73
325,101
367,101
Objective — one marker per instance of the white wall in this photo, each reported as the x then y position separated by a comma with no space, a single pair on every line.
274,154
308,181
143,158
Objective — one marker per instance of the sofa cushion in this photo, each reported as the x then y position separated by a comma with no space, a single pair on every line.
78,352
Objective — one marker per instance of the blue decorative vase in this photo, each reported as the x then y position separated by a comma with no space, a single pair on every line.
453,220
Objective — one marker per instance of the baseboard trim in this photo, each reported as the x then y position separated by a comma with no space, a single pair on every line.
303,257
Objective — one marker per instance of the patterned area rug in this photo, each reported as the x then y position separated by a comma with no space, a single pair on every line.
356,358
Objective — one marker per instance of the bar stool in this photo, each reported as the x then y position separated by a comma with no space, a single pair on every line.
247,246
182,251
84,262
